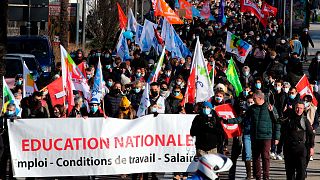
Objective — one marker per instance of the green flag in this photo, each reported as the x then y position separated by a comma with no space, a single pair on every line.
233,77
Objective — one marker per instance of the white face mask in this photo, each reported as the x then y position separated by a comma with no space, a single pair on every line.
286,90
318,57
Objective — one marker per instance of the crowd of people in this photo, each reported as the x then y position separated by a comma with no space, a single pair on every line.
277,123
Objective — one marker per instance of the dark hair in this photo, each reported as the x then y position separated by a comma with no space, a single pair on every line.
61,109
154,84
308,98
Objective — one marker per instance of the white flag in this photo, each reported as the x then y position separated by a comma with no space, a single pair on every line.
204,89
29,86
144,102
132,22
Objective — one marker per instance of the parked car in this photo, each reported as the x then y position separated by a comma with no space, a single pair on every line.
39,46
14,66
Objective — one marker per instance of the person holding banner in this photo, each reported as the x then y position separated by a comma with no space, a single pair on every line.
5,154
207,129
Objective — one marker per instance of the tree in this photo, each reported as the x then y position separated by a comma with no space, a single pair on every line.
64,23
103,22
3,39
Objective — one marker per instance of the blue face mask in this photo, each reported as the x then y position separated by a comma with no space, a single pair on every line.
109,84
19,82
245,93
258,85
83,105
88,76
138,75
108,66
176,93
206,111
306,104
137,90
98,54
291,96
219,99
10,113
94,109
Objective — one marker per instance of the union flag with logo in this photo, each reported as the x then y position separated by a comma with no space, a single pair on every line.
304,88
226,111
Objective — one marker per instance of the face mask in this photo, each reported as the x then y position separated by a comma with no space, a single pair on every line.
10,113
179,82
138,75
257,39
98,54
306,104
249,104
318,57
176,94
153,109
272,57
278,88
206,111
292,96
267,35
137,90
273,34
143,87
57,114
108,66
258,85
83,105
109,83
19,82
315,88
107,55
286,90
219,99
283,41
245,93
154,93
246,73
88,76
168,74
94,109
285,62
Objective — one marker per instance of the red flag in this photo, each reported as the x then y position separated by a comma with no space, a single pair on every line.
205,11
190,95
268,9
188,7
249,6
56,92
163,9
122,17
304,88
82,67
158,36
226,111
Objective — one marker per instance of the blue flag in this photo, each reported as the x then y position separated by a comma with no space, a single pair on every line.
181,49
139,29
97,82
176,4
122,48
221,17
147,35
195,12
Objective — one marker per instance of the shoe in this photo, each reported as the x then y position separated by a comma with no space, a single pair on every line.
279,157
311,158
273,156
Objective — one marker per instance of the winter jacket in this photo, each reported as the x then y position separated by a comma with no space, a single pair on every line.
208,132
173,104
262,123
135,99
112,103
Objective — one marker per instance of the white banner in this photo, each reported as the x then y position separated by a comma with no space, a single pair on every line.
98,146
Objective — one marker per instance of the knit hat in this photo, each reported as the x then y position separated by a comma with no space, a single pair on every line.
207,104
125,102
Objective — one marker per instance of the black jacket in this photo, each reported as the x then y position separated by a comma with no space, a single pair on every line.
208,132
112,103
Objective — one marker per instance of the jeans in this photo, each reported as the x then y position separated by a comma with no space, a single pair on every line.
247,152
261,150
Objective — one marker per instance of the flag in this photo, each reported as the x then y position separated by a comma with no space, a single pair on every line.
82,67
158,37
137,37
204,90
8,98
304,88
147,35
176,4
153,77
237,46
226,111
68,68
122,48
181,49
233,77
186,6
56,92
268,9
29,86
97,82
195,12
221,17
190,95
163,9
122,17
132,22
249,6
205,11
